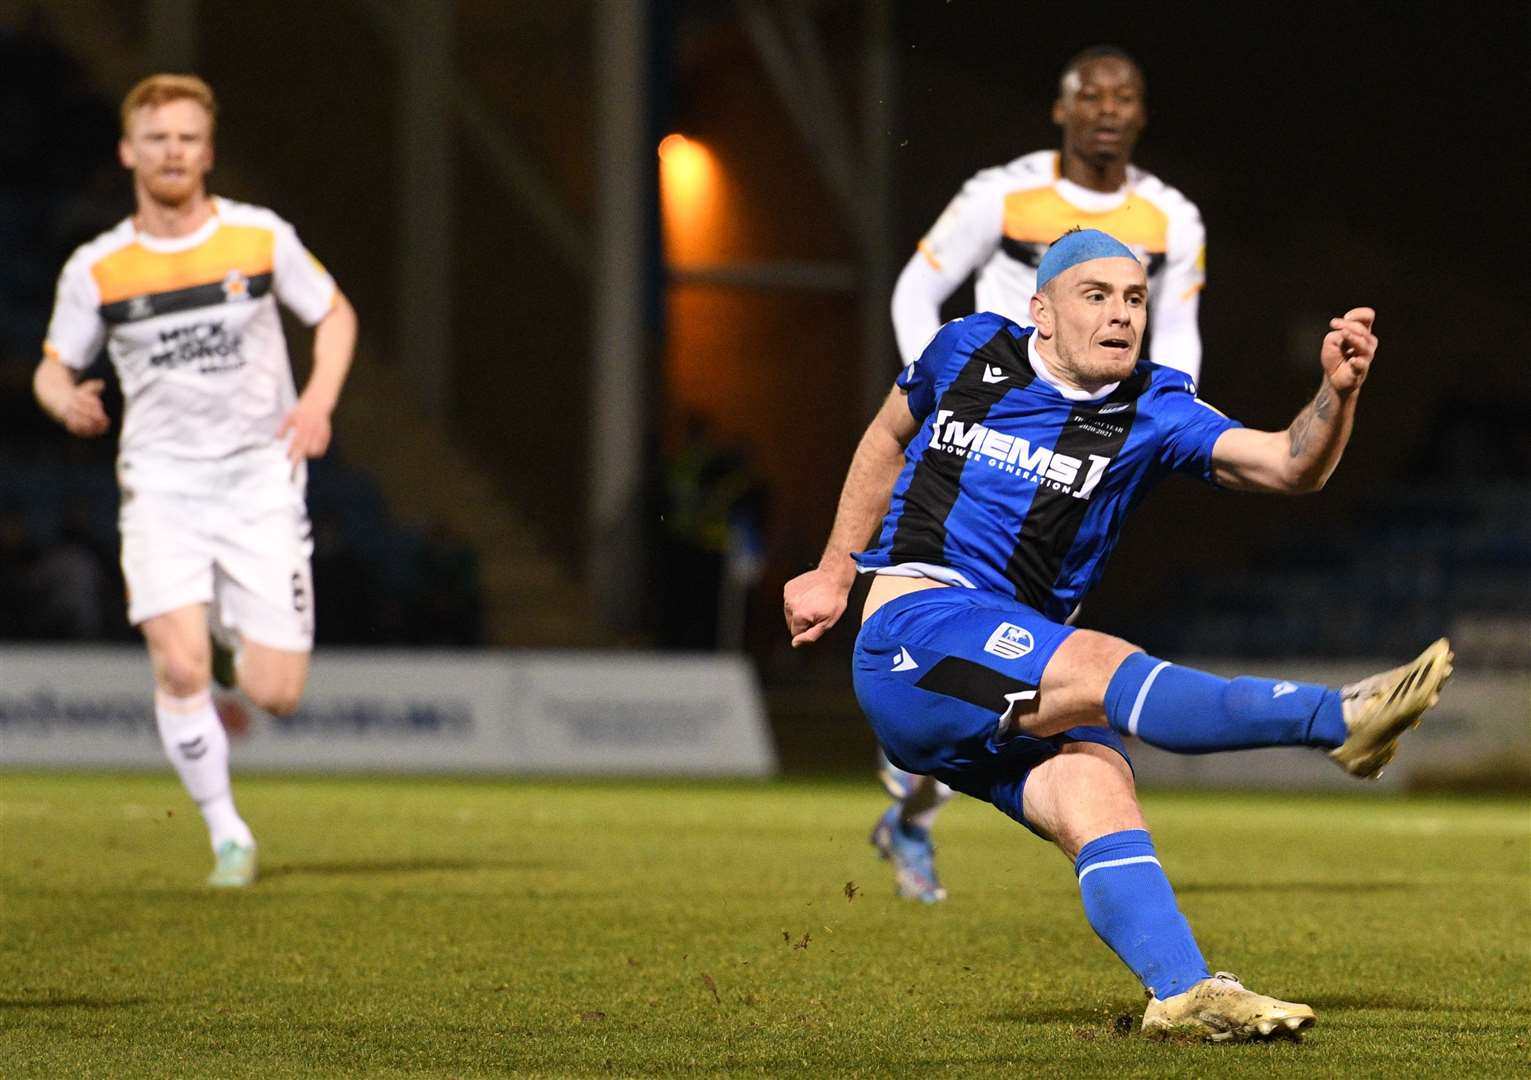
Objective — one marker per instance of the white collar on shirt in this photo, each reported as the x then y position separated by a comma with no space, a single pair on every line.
1064,389
168,245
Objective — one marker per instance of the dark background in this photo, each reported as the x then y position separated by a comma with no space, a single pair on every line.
1340,154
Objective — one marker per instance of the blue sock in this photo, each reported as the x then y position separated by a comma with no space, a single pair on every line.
1192,712
1129,902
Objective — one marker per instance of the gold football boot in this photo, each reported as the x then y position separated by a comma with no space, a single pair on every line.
1379,709
1219,1009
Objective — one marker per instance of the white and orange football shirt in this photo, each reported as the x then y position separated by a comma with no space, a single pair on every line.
192,329
1004,218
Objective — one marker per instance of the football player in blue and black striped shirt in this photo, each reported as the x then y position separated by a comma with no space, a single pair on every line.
1002,466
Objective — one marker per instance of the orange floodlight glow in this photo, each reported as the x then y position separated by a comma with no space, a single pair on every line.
671,145
689,184
686,169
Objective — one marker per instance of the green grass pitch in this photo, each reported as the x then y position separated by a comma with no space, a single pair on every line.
569,928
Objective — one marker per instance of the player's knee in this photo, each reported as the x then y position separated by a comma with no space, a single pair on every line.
272,678
273,687
279,703
1075,682
183,670
277,697
1083,793
1096,661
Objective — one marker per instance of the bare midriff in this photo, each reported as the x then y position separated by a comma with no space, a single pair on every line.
885,587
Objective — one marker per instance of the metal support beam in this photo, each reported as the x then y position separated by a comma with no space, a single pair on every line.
838,134
856,172
619,385
879,359
811,115
514,168
519,175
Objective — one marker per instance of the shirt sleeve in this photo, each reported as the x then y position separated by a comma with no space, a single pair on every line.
1191,429
919,378
1174,307
962,239
917,300
76,331
300,281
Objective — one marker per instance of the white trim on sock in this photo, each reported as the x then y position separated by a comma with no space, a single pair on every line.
1120,862
1137,706
183,706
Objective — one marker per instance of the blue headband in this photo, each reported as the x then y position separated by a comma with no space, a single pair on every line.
1077,247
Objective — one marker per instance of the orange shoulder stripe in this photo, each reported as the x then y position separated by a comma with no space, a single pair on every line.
137,271
1041,215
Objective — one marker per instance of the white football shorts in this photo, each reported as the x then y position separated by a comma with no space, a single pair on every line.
243,550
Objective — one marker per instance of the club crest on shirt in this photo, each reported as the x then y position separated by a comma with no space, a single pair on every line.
236,286
1009,642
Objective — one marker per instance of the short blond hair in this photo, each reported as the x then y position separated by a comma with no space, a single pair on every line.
163,88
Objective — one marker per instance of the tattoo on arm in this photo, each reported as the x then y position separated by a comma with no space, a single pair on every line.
1320,408
1298,432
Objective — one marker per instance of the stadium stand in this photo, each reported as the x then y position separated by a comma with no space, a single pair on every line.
381,581
1448,545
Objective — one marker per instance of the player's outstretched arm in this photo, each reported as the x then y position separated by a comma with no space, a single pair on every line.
1301,458
309,421
813,602
76,405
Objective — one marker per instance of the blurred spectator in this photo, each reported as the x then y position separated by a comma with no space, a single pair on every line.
67,584
65,590
713,541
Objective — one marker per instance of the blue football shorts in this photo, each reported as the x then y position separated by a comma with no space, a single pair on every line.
937,671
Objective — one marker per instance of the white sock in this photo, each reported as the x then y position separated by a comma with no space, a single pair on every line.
924,803
198,747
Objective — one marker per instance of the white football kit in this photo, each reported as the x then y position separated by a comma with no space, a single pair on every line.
1003,220
212,510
